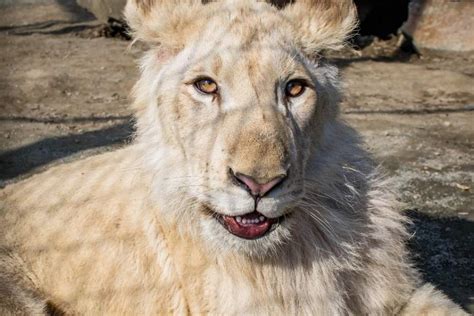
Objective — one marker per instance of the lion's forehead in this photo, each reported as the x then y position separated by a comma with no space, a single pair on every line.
252,38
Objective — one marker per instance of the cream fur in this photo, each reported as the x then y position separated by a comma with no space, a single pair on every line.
132,232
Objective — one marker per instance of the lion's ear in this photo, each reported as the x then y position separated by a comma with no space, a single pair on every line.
164,22
321,24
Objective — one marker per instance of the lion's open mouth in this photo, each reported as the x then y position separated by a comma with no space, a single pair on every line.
249,226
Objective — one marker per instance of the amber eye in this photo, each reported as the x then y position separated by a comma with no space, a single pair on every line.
295,88
206,85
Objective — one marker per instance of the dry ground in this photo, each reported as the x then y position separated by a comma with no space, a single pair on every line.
64,95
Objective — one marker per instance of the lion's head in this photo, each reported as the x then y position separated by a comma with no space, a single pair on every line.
232,107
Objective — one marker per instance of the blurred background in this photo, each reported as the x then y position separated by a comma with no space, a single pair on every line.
67,67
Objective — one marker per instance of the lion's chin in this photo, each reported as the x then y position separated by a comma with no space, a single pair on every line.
248,226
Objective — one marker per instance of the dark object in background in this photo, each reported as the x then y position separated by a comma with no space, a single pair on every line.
116,28
381,18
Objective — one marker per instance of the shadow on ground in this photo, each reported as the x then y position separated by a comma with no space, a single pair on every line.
71,18
442,250
23,160
52,28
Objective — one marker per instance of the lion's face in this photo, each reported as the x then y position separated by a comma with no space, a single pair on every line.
232,120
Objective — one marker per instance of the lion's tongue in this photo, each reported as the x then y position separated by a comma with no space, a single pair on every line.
247,227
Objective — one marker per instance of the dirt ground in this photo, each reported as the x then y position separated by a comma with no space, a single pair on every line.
64,95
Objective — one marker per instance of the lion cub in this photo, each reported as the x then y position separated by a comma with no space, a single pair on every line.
243,193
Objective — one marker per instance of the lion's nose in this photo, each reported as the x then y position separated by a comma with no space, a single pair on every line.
255,188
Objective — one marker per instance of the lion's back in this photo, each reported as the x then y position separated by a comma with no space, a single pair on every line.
76,228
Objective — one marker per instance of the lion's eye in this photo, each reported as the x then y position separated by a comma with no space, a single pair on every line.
206,85
295,88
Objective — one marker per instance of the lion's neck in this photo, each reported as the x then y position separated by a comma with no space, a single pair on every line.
297,277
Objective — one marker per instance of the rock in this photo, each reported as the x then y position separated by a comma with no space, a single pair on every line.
104,9
441,26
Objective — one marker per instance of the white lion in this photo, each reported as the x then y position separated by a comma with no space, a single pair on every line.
243,193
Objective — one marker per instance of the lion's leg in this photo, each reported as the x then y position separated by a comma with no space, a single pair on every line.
427,301
18,295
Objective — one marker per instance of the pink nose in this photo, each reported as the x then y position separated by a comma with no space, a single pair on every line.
257,189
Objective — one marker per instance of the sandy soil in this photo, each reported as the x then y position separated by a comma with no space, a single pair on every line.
64,95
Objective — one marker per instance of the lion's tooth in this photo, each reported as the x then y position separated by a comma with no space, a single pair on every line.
261,218
244,221
238,219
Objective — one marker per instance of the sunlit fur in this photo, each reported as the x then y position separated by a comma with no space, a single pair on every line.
134,231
